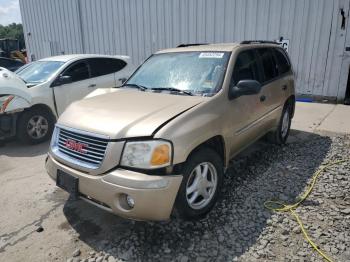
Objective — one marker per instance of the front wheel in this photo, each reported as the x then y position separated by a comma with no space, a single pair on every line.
202,177
34,126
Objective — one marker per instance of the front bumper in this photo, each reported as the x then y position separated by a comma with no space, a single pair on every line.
154,196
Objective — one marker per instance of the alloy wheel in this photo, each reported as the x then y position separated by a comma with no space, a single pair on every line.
201,185
37,127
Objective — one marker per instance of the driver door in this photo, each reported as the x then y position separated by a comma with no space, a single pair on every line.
80,86
245,111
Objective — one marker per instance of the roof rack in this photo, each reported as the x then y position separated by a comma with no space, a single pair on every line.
187,45
247,42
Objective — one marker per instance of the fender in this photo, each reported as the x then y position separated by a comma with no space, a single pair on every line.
11,84
17,104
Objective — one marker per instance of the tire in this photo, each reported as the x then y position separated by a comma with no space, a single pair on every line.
27,133
194,169
280,135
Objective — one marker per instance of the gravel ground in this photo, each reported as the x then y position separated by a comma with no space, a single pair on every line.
240,228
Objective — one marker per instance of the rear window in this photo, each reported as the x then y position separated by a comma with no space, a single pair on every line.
268,63
105,66
283,64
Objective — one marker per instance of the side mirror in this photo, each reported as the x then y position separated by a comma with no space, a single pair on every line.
62,80
121,81
244,88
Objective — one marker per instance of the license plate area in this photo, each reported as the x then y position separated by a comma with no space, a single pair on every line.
68,183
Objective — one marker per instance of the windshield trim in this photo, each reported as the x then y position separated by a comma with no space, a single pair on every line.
220,82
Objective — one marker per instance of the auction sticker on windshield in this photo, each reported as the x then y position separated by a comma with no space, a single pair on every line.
211,55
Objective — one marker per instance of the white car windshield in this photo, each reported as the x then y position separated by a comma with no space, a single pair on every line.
196,73
38,72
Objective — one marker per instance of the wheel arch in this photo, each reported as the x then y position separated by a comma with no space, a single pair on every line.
216,143
42,107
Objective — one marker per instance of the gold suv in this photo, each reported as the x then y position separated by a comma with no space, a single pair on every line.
162,141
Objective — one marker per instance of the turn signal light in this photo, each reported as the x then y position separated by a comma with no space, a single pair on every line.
161,155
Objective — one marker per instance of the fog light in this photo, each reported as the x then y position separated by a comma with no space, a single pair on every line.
130,201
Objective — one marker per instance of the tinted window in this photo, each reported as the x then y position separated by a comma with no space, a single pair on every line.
105,66
78,72
282,61
268,63
246,67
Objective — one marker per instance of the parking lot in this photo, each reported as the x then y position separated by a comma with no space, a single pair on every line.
37,223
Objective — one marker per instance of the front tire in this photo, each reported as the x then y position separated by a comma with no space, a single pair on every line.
200,187
35,126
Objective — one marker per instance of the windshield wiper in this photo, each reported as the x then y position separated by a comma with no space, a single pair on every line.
172,89
141,87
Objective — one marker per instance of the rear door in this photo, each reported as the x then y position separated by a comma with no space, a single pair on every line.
285,85
107,72
270,81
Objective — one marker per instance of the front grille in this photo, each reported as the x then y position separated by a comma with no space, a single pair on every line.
81,147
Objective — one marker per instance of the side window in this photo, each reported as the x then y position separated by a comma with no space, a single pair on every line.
105,66
283,64
246,67
268,63
78,72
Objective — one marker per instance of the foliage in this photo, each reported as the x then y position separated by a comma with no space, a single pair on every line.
13,31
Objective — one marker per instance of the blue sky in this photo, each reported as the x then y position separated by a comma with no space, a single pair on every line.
9,12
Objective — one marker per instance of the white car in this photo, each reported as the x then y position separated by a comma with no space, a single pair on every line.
32,98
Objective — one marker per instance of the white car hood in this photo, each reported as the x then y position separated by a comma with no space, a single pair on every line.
11,84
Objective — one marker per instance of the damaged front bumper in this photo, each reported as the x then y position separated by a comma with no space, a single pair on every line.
8,125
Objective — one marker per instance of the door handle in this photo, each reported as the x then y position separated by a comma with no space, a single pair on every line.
92,85
262,98
284,87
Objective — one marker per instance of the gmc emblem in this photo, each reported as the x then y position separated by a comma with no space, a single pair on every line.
76,146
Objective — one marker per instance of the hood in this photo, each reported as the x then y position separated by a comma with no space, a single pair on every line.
126,113
11,84
102,91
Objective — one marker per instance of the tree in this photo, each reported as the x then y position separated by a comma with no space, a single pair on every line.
13,31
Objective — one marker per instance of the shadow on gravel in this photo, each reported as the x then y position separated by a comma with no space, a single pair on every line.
16,149
263,172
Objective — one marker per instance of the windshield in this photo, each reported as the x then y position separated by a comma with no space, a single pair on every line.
38,72
200,73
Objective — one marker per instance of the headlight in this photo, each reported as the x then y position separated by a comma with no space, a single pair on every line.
5,101
147,154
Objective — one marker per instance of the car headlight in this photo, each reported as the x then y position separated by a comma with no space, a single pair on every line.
147,154
5,101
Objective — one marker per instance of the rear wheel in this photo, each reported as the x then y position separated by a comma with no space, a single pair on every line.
202,176
280,135
34,126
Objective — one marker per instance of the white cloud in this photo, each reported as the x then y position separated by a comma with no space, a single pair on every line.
9,12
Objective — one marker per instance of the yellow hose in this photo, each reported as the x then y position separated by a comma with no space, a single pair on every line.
290,208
